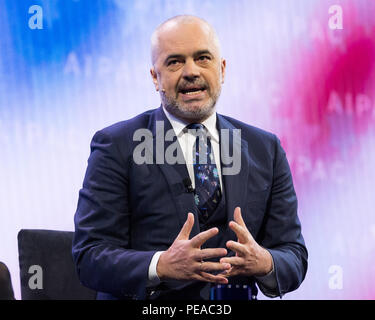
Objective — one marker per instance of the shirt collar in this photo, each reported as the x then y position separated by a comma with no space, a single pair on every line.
179,125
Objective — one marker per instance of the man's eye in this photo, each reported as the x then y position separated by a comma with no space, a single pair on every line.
204,58
172,62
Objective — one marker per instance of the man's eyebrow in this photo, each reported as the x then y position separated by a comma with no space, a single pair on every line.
200,52
174,56
179,56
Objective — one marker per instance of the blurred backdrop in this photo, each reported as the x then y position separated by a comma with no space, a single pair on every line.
301,69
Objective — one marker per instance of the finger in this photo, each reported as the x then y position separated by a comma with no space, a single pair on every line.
187,227
241,232
208,266
238,217
225,273
233,261
234,271
205,254
239,248
208,277
202,237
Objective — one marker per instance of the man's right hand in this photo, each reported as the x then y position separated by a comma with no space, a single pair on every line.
184,260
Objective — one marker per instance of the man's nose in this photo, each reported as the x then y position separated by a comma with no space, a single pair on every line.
191,70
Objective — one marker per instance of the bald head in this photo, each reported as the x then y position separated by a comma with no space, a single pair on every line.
177,25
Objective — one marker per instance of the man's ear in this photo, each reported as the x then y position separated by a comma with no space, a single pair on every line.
223,66
154,78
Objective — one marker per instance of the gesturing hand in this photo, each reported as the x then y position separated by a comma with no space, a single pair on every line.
184,258
250,259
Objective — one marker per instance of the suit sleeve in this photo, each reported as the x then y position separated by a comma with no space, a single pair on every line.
281,232
101,247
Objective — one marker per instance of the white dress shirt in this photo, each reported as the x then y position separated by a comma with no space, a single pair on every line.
186,141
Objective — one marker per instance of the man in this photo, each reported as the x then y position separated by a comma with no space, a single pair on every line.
156,230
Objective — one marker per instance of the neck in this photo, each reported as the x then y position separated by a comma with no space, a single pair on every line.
189,118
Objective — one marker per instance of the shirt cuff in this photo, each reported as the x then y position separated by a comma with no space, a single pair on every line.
153,279
268,282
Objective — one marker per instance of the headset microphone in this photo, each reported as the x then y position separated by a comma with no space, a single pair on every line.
188,185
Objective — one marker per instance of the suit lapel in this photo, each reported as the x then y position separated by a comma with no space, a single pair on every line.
175,173
235,186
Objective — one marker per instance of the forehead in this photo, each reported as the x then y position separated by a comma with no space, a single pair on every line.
185,38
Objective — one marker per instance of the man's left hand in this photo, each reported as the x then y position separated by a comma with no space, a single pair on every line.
251,259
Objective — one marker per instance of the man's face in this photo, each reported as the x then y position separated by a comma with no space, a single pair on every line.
188,71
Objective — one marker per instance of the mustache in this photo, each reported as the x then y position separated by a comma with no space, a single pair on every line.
192,85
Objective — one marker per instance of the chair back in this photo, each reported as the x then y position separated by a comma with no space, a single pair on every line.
47,269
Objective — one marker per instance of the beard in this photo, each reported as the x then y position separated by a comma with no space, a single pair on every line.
190,112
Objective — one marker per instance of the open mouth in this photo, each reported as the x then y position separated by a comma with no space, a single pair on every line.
192,91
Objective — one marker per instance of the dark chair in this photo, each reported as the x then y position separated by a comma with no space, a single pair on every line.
49,253
6,288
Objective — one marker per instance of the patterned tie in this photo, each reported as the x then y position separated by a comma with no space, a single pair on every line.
207,182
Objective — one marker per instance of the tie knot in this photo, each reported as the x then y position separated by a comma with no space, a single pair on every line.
196,126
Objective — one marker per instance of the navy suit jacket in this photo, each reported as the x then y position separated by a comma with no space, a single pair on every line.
126,212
